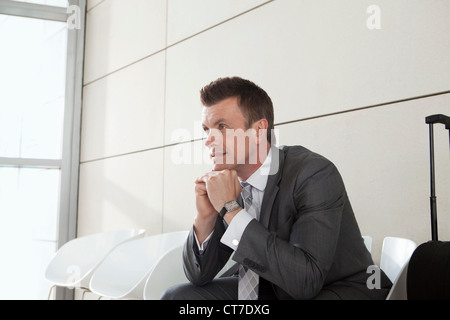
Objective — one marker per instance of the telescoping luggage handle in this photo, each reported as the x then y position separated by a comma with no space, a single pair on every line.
431,120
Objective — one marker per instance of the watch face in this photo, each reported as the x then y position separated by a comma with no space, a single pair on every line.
232,205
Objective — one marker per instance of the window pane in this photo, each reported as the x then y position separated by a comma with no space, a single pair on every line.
28,230
32,78
56,3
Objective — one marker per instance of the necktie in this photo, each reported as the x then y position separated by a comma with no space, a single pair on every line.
247,195
248,280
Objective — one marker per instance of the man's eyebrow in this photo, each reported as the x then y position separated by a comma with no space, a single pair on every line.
218,121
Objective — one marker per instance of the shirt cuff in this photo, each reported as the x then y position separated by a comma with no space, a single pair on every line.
204,245
233,234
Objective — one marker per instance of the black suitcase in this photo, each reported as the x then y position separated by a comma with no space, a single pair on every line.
428,275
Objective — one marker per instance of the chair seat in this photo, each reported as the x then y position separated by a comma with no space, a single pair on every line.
123,273
73,264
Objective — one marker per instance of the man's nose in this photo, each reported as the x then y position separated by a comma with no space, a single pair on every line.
210,141
213,138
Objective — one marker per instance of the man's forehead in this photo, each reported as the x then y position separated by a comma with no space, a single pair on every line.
226,110
212,120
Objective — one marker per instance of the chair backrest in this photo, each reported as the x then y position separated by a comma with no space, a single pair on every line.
368,242
168,271
395,253
398,290
73,264
123,273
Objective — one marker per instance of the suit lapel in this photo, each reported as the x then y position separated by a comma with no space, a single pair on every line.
272,187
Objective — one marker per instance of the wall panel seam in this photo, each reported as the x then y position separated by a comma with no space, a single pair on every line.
365,107
176,43
279,124
95,6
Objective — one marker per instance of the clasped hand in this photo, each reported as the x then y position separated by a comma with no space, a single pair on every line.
218,187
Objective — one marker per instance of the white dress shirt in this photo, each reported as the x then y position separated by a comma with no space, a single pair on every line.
233,233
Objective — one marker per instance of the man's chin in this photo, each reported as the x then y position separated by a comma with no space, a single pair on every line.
222,166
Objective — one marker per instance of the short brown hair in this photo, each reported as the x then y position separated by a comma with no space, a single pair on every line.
254,102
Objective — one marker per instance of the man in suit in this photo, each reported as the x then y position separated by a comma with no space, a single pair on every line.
283,212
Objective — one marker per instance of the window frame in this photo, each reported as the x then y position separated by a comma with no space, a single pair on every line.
70,160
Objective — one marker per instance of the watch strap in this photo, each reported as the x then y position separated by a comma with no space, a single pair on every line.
223,212
228,207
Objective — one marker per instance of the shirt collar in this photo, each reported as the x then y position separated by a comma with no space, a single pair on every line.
259,178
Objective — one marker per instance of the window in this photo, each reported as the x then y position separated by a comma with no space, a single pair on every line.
40,109
33,64
56,3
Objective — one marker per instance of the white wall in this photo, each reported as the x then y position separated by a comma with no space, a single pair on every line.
358,96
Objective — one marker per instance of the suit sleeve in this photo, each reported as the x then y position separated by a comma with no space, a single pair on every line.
202,268
300,265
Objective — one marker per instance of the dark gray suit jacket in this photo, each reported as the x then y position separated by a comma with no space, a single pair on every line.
307,236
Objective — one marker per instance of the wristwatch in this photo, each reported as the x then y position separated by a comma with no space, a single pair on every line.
230,206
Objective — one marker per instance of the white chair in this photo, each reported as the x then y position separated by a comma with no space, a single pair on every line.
368,242
168,271
399,290
395,253
124,272
73,264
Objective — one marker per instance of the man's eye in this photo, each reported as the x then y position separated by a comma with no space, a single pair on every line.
222,127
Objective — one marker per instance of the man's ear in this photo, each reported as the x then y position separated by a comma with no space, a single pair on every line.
261,130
